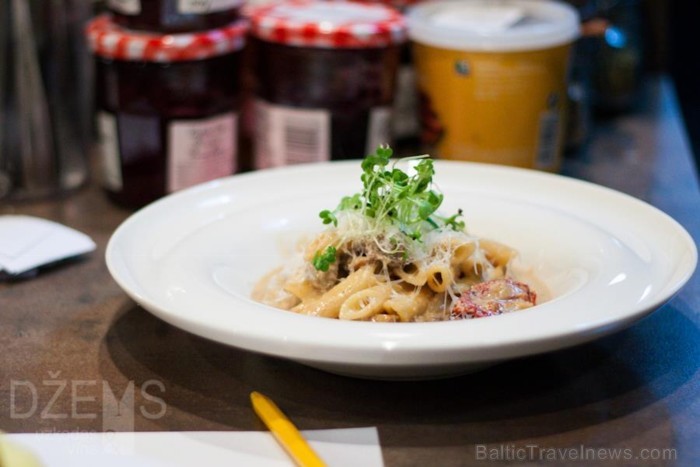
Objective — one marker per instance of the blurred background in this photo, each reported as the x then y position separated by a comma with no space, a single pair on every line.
662,38
669,43
45,129
679,55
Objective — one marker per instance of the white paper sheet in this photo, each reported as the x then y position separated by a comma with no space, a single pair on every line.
341,448
29,242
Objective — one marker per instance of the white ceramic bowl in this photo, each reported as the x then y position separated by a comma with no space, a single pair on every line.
607,259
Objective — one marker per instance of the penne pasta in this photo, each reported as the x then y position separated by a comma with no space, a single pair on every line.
498,254
303,290
439,277
366,303
408,305
462,253
328,305
412,273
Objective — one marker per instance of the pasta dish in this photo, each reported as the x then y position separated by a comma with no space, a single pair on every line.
388,255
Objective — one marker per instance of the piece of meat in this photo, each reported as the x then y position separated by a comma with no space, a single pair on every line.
493,297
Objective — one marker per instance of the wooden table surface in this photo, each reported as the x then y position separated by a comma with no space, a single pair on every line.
71,341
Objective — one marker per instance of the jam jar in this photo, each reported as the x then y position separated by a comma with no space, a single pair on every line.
167,108
405,124
174,16
324,76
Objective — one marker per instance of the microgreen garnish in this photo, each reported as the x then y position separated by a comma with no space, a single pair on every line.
453,222
323,260
391,195
328,217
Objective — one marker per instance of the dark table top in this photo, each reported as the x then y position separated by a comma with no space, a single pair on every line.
637,391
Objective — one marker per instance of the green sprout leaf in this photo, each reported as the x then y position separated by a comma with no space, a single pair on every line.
454,223
323,261
328,217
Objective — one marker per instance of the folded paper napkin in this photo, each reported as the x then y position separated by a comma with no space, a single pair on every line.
27,243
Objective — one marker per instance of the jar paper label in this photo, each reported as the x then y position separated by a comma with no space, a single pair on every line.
549,140
379,128
206,6
287,135
108,147
201,150
405,118
125,7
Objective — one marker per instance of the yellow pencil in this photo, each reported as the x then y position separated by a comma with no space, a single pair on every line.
285,432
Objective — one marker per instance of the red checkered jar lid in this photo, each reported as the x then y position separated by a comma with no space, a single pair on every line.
327,24
109,40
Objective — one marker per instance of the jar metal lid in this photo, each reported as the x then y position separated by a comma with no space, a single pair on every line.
109,40
324,24
400,5
493,26
184,7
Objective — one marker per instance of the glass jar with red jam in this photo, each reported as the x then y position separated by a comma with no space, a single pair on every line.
324,76
167,108
405,125
174,16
